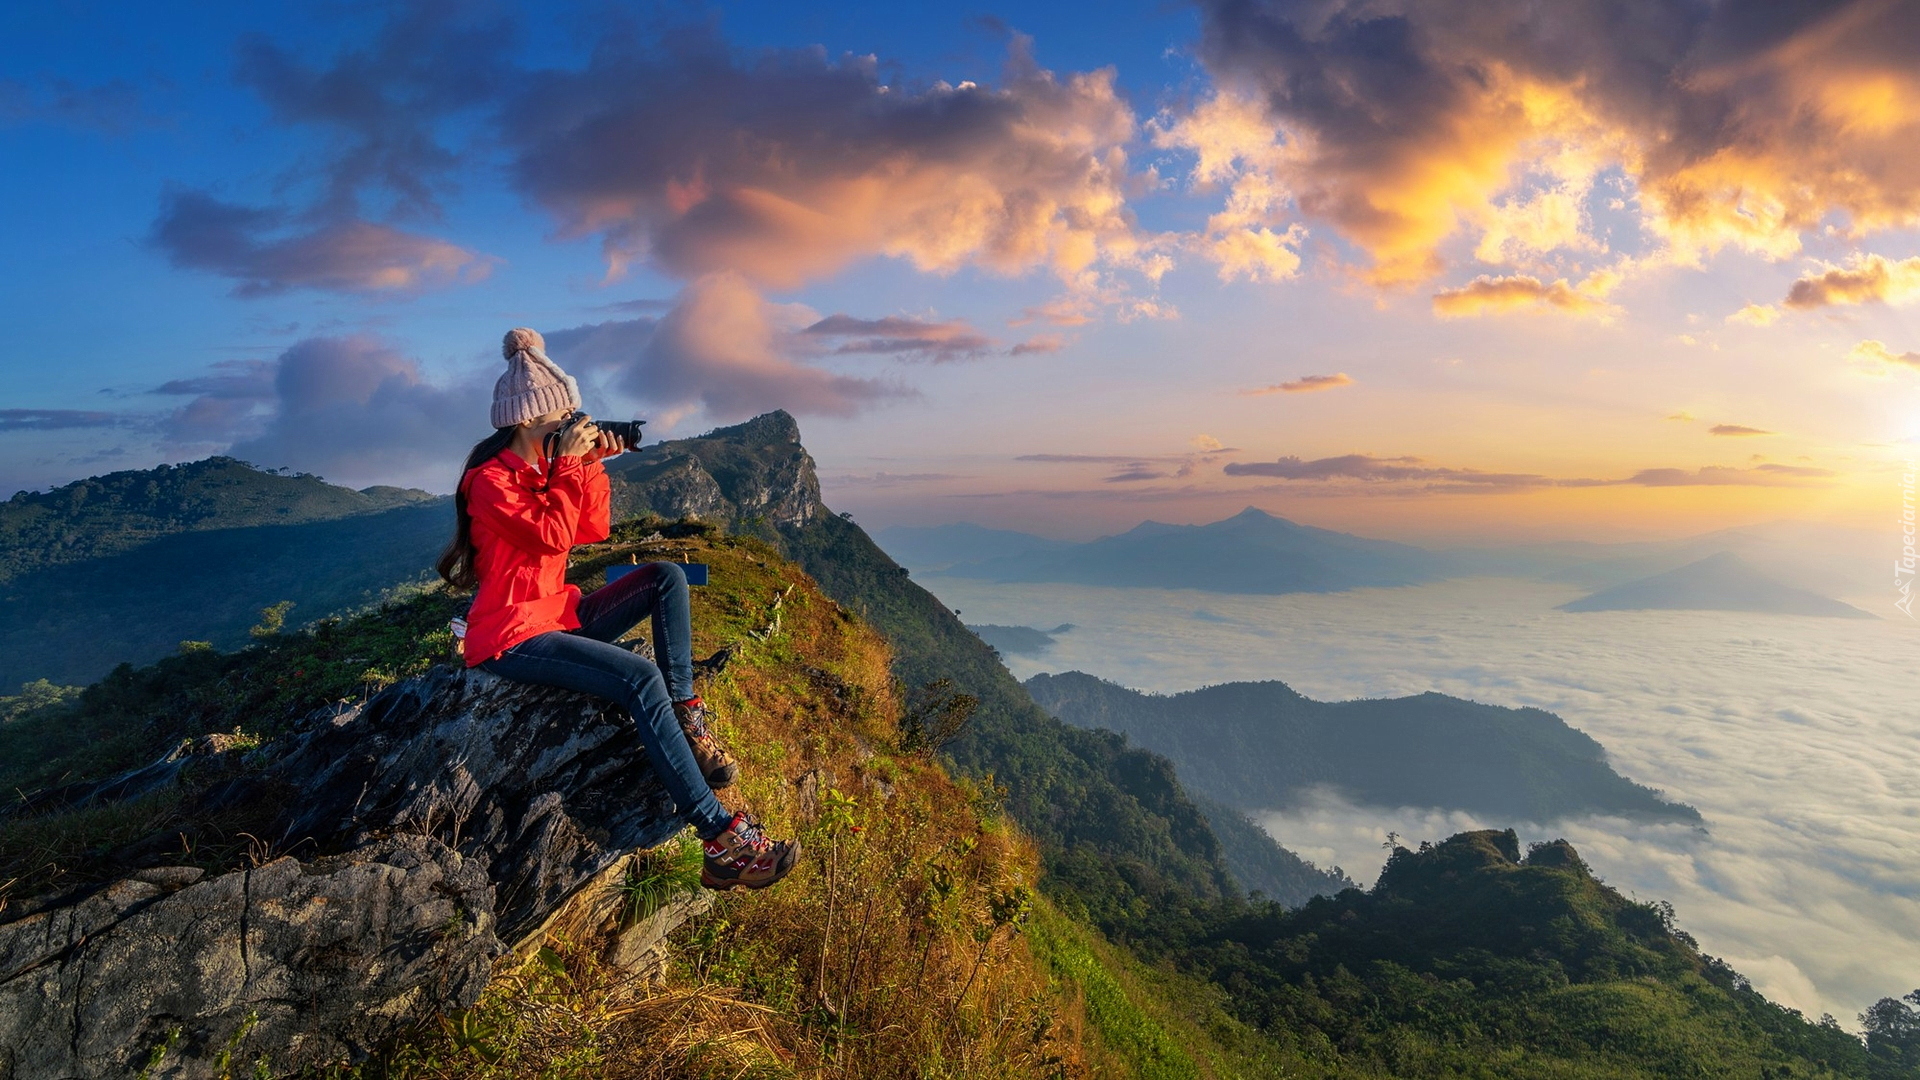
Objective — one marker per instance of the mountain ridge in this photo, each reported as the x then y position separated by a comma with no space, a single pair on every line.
1720,582
122,568
1467,959
115,512
935,547
1263,746
1251,552
1821,559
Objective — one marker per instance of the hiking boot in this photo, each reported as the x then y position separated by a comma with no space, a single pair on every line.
743,857
715,763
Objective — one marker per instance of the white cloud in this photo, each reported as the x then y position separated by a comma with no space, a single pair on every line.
1233,144
353,409
358,411
725,349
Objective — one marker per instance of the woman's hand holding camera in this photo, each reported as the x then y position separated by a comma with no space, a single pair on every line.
607,444
577,438
584,438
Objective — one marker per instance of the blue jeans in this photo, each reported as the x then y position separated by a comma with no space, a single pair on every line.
586,660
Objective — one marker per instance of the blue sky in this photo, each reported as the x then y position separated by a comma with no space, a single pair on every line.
1450,270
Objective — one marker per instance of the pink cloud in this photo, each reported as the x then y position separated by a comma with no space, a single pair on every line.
1302,385
724,348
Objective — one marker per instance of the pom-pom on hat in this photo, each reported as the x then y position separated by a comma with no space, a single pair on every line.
532,385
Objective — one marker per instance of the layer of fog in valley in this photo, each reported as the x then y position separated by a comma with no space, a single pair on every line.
1798,738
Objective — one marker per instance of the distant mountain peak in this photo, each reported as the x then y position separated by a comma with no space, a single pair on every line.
1252,552
1721,581
1255,518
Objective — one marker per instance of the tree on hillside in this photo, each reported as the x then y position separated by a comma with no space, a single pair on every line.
1893,1033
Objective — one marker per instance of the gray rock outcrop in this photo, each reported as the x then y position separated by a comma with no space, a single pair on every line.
402,846
547,787
304,961
750,477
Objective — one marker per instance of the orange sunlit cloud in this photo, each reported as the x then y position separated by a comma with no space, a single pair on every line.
1876,352
1064,311
1487,295
1302,385
1754,126
1866,279
726,172
1756,315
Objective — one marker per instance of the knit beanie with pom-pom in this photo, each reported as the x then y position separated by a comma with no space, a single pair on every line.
533,385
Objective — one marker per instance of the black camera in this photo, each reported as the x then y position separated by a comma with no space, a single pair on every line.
628,431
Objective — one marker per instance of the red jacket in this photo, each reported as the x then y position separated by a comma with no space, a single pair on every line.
524,523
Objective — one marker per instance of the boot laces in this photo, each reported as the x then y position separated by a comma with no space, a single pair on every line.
695,722
748,834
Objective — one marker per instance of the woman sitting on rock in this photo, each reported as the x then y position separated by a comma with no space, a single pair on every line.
519,512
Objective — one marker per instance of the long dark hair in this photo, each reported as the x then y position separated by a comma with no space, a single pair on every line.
456,562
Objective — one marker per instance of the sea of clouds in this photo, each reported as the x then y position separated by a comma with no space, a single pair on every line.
1797,738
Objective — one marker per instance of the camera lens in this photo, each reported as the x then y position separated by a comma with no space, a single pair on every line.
627,430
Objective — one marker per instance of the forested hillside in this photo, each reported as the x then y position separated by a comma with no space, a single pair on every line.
102,515
1261,745
896,948
1470,958
122,568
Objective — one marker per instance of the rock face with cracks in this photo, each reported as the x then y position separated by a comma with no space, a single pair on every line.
413,840
749,477
316,958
